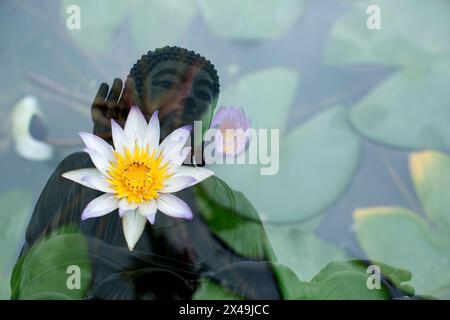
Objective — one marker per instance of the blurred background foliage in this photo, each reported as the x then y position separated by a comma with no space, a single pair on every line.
363,115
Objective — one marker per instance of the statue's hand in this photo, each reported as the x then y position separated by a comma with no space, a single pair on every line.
112,104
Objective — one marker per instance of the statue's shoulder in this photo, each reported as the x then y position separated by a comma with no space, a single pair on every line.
216,184
74,161
217,191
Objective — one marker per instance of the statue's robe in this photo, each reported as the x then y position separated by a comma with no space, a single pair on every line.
171,255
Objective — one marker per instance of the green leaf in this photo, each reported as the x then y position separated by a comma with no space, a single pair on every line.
302,251
266,96
100,20
413,33
338,280
232,218
210,290
251,19
43,272
345,280
317,161
399,237
430,171
158,23
409,109
14,213
5,291
154,23
290,286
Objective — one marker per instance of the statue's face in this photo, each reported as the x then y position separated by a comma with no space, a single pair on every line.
181,92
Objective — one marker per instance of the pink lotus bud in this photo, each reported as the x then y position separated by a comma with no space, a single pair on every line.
232,125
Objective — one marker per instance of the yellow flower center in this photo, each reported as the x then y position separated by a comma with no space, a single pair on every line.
232,138
137,176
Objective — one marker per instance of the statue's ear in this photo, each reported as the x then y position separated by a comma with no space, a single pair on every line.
207,116
198,144
214,103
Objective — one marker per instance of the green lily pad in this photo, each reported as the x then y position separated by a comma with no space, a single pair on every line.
232,218
5,291
399,237
265,95
431,176
43,273
411,30
339,280
99,21
317,159
408,110
291,287
302,251
210,290
345,280
251,19
158,23
14,213
154,23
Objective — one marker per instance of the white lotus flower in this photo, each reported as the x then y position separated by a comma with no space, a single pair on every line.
25,144
138,175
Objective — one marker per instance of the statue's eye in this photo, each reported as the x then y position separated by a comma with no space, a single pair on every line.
165,84
202,95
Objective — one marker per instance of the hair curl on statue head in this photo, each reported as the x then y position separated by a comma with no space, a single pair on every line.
147,62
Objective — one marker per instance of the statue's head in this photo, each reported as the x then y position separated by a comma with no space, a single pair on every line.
182,85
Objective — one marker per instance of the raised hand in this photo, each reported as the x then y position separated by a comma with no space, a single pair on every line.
112,104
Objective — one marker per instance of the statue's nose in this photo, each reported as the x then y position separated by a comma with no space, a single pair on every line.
188,103
186,88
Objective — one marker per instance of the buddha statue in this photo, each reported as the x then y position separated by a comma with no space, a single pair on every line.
173,255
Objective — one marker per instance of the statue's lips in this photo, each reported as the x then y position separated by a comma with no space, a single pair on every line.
178,107
176,113
171,117
170,108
